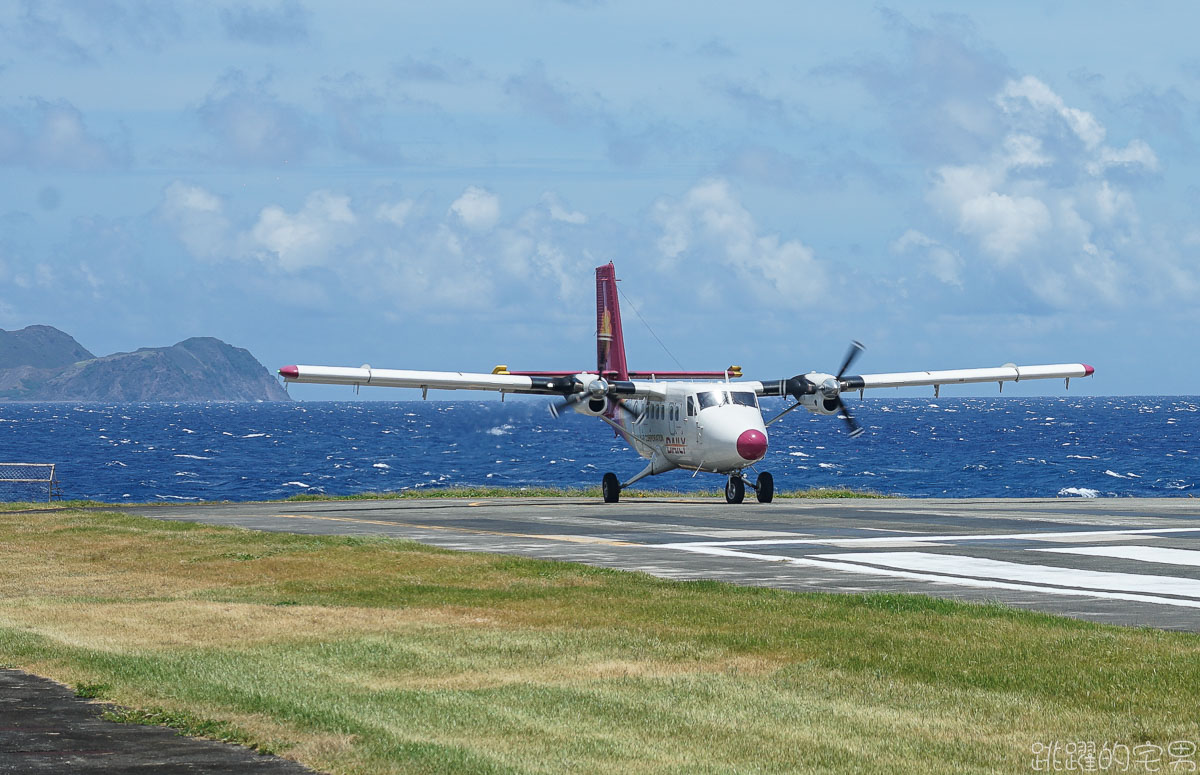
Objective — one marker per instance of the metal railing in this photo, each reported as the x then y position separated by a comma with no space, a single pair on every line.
28,481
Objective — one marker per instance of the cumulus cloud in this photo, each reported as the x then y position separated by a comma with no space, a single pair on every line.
931,91
266,24
54,135
358,111
392,250
198,217
538,94
710,228
940,261
253,126
477,208
308,237
1042,205
559,212
395,213
81,33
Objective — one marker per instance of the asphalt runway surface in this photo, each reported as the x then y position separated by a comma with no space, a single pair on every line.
1123,561
45,728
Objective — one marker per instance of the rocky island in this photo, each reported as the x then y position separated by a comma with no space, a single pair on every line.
42,363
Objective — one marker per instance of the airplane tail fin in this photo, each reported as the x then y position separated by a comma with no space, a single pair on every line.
610,342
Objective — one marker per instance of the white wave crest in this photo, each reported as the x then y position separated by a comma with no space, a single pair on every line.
1082,492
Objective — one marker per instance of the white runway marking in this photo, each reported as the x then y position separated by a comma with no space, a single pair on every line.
978,567
959,581
1157,554
848,543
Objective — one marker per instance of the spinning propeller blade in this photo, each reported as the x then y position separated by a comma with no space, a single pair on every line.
856,348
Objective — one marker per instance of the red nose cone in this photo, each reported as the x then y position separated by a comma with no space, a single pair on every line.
752,445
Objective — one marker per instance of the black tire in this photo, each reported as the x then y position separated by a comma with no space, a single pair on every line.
735,490
764,487
610,486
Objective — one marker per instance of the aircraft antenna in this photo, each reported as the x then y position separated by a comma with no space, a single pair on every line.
648,328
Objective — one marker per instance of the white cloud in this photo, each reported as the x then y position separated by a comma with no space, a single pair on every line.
251,125
1004,225
1043,100
477,208
1136,154
710,226
559,212
395,213
1047,213
54,135
940,261
310,236
198,217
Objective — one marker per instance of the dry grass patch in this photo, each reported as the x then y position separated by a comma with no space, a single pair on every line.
376,656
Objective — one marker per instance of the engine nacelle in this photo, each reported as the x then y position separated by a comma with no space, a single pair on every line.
593,407
825,399
819,404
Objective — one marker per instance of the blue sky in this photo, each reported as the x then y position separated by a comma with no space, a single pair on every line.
430,185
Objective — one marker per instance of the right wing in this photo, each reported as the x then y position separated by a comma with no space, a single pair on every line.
429,380
536,383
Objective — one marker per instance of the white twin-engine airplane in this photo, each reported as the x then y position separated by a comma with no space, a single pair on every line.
695,420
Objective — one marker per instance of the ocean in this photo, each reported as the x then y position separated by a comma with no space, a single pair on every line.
923,448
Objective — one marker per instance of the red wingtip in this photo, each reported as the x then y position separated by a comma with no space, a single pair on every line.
1087,370
293,372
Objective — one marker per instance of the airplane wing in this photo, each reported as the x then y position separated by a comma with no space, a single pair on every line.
829,385
1002,374
544,383
821,393
426,380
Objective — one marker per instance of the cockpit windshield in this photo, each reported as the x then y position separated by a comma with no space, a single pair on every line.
721,397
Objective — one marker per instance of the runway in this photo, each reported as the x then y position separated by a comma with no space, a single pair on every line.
1123,561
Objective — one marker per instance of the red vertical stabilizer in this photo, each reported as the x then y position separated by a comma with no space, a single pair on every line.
610,342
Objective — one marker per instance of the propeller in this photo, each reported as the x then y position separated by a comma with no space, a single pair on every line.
595,389
856,348
831,389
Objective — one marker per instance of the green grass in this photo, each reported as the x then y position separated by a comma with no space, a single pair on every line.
364,655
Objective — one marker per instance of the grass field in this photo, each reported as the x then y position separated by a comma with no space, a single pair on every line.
380,656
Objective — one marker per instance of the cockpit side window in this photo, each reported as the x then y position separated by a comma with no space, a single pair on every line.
691,407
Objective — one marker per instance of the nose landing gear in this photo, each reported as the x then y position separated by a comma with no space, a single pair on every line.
735,489
764,488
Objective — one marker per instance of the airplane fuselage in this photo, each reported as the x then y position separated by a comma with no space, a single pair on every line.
708,426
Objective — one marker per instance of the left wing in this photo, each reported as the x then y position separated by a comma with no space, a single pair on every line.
815,382
822,393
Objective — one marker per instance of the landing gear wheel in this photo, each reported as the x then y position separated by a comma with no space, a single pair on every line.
764,487
610,486
735,490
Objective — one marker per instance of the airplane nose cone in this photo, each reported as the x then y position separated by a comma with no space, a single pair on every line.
752,445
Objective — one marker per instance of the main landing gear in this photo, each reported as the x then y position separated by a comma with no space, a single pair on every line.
610,487
735,488
764,488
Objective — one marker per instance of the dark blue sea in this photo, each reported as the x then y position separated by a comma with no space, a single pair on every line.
946,447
